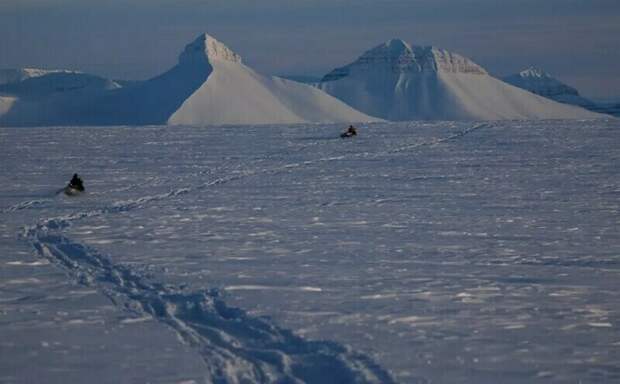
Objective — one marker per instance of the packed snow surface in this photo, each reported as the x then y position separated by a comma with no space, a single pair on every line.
209,85
415,253
397,81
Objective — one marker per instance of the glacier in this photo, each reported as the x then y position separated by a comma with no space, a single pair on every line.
418,252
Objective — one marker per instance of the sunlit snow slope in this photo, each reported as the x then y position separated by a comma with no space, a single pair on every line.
209,86
396,81
235,94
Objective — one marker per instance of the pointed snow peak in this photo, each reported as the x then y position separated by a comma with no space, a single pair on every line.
391,51
397,47
206,48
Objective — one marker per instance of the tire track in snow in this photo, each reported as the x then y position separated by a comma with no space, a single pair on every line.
25,205
403,148
432,143
235,347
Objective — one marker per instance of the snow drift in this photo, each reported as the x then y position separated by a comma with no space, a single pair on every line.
210,85
396,81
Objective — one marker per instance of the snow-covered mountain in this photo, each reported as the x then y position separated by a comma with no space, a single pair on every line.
15,75
235,94
55,83
210,85
45,97
607,107
541,83
397,81
5,104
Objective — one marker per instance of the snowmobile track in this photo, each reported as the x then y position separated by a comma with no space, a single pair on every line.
236,348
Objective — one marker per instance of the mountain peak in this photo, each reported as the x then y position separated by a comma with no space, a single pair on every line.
397,56
395,53
397,46
537,81
206,48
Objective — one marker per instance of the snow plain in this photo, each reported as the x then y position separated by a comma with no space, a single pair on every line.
416,252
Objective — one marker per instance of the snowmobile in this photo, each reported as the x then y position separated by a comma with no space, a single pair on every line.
349,133
75,186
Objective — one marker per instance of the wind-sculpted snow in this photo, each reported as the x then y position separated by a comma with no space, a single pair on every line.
424,252
236,348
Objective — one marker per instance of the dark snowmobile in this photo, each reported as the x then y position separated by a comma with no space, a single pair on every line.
75,186
349,133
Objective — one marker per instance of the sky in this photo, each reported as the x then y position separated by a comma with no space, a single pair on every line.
576,41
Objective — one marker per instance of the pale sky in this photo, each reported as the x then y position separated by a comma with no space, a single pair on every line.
577,41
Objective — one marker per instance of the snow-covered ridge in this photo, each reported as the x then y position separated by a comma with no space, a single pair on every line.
397,56
205,47
45,83
533,72
15,75
537,81
540,82
452,62
209,86
397,81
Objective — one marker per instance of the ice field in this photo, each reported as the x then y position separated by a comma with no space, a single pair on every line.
413,253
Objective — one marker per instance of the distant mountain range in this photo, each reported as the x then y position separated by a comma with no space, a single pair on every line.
210,85
398,81
609,108
537,81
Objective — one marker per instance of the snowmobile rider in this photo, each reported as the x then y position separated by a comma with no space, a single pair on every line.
350,132
76,183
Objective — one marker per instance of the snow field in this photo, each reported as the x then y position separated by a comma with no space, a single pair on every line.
442,252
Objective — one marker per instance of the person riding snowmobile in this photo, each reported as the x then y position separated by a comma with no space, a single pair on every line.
76,183
350,132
